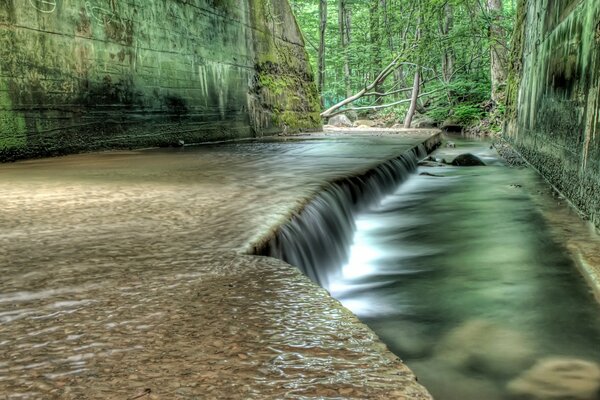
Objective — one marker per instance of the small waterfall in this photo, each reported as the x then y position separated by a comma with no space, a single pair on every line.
317,239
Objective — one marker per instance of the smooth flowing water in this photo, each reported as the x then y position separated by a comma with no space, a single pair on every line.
123,272
457,272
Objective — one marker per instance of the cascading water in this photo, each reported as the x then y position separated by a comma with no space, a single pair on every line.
318,239
456,271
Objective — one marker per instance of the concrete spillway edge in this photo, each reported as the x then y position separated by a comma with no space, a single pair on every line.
258,246
264,246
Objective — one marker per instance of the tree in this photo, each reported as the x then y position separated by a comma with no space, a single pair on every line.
498,50
322,29
344,24
376,53
446,24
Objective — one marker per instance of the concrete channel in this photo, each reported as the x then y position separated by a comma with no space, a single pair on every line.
127,275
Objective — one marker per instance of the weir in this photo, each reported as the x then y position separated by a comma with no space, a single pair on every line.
127,271
459,271
318,238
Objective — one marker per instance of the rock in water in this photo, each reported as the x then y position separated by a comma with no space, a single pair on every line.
366,123
480,345
467,160
341,121
558,378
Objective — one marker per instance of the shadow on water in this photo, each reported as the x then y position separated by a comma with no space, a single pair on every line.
459,275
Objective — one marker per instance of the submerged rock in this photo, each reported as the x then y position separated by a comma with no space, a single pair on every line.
443,381
340,121
365,123
558,378
484,346
467,160
431,163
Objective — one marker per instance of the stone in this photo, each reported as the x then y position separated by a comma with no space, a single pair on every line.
445,382
431,163
365,123
467,160
340,121
558,378
424,122
484,346
352,115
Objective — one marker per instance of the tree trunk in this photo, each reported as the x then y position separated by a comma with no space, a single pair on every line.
498,51
375,36
447,57
415,97
344,26
321,55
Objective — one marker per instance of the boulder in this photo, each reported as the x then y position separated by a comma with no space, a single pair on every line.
558,378
424,122
431,163
352,115
340,121
365,123
467,160
445,382
484,346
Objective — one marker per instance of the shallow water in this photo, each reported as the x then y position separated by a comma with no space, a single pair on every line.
459,275
125,271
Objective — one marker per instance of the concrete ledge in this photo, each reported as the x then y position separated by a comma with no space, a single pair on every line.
123,276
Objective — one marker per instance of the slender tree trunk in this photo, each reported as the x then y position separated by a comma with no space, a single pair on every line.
344,26
498,50
414,98
416,81
448,57
375,35
321,55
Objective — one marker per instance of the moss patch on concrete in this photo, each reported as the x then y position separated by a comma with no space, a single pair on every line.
553,106
88,75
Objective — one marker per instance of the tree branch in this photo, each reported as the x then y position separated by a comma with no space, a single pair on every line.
378,107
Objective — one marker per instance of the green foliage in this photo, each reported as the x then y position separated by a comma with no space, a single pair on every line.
421,32
466,114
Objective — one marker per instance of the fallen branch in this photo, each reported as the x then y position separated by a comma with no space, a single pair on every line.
378,107
380,79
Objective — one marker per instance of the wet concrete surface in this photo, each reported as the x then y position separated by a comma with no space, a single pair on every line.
124,275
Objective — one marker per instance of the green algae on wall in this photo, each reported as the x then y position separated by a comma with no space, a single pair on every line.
554,95
279,89
89,74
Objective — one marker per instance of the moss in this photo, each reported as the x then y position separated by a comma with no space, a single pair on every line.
12,124
515,63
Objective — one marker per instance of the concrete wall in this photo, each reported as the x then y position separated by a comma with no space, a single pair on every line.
554,95
88,74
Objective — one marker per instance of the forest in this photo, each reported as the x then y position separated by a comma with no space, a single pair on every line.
411,63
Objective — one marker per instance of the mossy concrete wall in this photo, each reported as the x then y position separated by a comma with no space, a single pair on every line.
554,95
89,74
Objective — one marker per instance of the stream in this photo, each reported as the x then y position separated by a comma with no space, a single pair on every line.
458,274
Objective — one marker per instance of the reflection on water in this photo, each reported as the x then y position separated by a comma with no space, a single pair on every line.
121,272
459,276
